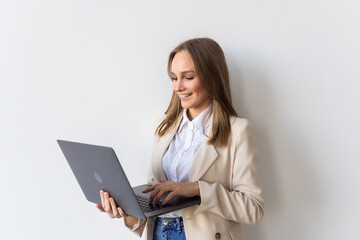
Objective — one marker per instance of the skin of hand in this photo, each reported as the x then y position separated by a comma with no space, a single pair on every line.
108,205
186,189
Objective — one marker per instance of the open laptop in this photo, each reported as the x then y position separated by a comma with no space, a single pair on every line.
97,167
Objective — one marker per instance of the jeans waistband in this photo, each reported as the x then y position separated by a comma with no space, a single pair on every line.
170,223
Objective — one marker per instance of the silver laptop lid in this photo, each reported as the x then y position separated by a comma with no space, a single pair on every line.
97,167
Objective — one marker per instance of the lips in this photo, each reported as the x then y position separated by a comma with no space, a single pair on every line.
184,96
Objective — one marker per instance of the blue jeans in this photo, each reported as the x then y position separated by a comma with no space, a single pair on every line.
169,229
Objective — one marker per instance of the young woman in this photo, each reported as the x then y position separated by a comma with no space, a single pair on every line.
201,147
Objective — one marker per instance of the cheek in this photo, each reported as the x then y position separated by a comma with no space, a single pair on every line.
203,95
195,88
200,92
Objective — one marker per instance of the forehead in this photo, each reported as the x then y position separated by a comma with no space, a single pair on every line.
182,62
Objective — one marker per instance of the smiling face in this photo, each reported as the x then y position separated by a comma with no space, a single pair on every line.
187,86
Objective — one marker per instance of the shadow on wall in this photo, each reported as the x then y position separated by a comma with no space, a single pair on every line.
283,171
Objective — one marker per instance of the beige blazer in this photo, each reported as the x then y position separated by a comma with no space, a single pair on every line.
229,186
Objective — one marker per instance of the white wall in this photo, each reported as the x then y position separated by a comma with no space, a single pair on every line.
95,71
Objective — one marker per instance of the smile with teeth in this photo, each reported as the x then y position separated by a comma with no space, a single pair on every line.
185,95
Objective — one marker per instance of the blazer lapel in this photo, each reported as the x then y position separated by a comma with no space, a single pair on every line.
205,156
203,159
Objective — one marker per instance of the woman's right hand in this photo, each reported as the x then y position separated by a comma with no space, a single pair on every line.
108,205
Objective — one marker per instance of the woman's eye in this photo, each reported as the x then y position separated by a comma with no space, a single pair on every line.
173,79
189,78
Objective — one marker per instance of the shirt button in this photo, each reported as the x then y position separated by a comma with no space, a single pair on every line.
165,222
217,236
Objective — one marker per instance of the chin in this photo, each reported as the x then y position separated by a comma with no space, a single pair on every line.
186,106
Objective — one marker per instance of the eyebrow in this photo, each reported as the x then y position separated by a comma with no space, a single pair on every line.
190,71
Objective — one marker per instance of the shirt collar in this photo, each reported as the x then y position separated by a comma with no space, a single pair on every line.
197,122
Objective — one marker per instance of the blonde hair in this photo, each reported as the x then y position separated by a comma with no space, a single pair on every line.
210,67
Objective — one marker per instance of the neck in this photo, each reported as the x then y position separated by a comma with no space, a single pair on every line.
193,113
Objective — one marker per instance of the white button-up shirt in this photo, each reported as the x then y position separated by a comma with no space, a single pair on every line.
178,158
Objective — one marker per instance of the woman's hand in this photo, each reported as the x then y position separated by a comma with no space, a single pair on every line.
185,189
108,205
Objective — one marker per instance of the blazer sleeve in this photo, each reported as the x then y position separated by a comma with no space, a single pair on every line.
243,203
135,224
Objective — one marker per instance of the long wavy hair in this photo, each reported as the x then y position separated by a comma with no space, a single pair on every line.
210,67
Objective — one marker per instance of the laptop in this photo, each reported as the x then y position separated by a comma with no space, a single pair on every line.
97,167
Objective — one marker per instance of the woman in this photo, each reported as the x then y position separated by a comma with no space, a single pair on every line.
200,148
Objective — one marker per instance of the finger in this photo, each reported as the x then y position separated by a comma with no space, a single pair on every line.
107,207
168,197
121,212
149,189
163,179
153,194
100,207
159,195
102,198
166,188
115,212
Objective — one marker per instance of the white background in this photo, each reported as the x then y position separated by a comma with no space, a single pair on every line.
95,71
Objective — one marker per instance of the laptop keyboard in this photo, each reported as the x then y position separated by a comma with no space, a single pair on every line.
145,206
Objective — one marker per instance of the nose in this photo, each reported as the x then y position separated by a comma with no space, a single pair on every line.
178,85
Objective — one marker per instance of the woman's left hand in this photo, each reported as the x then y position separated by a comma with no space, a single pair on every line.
185,189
